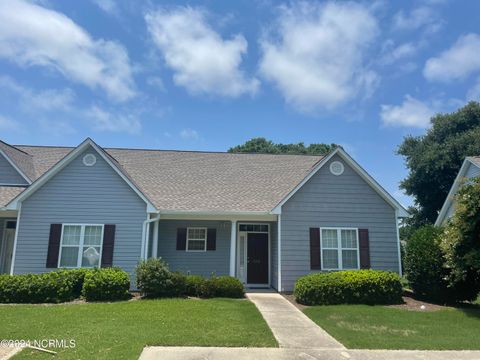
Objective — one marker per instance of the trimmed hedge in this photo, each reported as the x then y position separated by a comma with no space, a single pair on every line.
194,285
106,284
155,280
223,286
349,287
52,287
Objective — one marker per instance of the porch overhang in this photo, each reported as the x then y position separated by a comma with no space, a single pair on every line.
217,215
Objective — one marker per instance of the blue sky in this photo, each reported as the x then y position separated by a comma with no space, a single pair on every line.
207,75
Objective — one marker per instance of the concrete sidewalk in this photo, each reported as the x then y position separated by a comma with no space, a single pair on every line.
212,353
292,328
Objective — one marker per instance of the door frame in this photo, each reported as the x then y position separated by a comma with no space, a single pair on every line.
243,278
3,247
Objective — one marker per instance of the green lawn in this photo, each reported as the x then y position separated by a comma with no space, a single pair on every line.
379,327
121,330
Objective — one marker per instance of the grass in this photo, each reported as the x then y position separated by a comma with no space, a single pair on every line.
121,330
380,327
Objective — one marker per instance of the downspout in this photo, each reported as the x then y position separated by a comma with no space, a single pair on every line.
146,235
398,245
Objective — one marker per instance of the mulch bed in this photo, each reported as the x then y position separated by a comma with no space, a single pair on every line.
410,304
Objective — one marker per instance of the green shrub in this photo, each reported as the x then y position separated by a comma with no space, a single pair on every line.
106,284
223,286
349,287
424,264
460,243
52,287
155,280
194,285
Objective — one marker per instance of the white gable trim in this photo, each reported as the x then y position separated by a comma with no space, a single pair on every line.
14,204
453,190
27,179
401,211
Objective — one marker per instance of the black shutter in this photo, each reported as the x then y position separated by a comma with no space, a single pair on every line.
364,243
211,239
181,239
54,245
315,259
108,244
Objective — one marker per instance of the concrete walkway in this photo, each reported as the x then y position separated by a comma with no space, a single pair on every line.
292,328
212,353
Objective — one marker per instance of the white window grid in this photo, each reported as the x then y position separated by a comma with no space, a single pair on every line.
197,230
339,248
80,245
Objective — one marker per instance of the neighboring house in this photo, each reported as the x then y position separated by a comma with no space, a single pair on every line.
469,170
266,219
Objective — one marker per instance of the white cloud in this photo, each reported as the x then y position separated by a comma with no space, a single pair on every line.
474,92
202,61
33,35
315,54
109,6
7,123
394,53
457,62
48,100
113,122
425,17
189,134
411,113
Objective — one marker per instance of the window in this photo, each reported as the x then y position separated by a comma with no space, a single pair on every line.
196,239
253,228
339,248
81,246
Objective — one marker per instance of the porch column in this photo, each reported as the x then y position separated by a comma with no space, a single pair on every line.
233,246
155,239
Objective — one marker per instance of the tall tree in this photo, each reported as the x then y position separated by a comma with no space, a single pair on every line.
262,145
435,158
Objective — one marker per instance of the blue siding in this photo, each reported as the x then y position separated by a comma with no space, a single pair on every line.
8,174
199,263
80,194
327,200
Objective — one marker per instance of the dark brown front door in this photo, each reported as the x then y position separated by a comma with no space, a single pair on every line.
257,258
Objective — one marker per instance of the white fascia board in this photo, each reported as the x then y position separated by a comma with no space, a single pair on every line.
217,215
11,162
453,190
13,205
402,212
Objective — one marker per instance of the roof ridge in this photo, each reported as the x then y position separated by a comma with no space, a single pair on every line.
14,147
174,150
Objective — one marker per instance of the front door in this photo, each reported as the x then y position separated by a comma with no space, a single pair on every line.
6,250
257,258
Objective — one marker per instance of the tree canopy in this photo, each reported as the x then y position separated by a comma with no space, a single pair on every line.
262,145
434,159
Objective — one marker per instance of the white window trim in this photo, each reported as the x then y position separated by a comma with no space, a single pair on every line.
79,246
339,247
205,240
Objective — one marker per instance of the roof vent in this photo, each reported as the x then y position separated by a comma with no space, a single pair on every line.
336,168
89,160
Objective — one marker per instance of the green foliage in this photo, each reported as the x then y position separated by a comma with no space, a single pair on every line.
461,242
223,286
52,287
106,284
434,159
264,146
154,279
194,285
349,287
424,265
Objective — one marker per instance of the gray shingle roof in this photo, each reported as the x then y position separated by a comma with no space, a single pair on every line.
200,181
7,193
23,160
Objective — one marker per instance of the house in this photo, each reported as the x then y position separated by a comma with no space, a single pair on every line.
469,170
266,219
